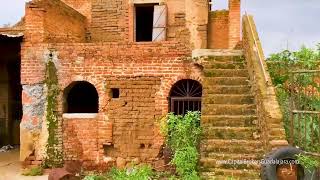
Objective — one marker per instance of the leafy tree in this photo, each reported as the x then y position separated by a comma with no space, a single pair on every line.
280,66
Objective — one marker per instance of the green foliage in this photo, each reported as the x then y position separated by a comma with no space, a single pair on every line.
35,171
280,66
54,155
94,177
136,172
143,172
183,131
186,160
182,136
308,162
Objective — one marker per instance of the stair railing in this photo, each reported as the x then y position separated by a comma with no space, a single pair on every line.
268,110
258,52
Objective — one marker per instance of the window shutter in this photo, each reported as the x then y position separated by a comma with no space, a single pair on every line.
159,23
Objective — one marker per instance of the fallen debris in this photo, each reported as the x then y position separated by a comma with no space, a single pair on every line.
6,148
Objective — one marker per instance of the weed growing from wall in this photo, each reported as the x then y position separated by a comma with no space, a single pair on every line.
54,155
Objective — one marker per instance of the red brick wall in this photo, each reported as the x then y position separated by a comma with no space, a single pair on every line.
63,24
218,30
53,21
79,138
234,23
134,116
114,21
144,72
34,23
82,6
83,138
110,20
224,27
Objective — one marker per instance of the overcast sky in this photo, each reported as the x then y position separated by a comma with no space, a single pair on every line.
281,23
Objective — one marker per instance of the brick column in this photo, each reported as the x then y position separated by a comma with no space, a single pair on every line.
234,23
197,22
34,23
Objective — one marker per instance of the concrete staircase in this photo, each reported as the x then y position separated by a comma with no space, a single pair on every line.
229,120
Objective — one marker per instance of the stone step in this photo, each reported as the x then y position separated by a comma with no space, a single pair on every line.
202,177
206,163
236,89
228,99
277,132
231,146
233,59
198,53
226,73
224,65
234,174
226,109
229,120
215,81
245,133
228,156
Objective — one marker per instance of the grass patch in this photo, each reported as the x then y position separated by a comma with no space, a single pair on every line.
139,172
35,171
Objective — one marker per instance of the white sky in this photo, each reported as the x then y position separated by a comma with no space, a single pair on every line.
281,23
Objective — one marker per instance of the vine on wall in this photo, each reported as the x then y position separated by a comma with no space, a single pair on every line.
54,153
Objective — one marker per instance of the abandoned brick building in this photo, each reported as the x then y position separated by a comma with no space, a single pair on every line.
89,80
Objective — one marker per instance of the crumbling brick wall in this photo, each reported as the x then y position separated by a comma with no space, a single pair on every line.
109,20
135,115
218,30
82,6
98,47
144,73
53,21
224,27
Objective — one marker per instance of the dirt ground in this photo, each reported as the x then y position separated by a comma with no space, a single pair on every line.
10,167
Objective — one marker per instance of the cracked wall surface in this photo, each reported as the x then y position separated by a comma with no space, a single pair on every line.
31,127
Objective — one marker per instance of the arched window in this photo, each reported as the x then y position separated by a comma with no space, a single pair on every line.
185,96
81,97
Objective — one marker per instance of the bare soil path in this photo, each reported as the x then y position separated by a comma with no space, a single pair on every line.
10,167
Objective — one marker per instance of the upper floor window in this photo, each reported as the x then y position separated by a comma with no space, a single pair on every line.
150,22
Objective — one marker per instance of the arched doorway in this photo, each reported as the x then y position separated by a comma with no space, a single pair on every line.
185,95
81,97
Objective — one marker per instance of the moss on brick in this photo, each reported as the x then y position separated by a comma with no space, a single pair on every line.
54,154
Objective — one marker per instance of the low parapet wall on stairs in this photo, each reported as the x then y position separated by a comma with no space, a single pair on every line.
269,113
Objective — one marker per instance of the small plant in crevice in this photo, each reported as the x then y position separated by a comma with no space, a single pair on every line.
54,155
182,135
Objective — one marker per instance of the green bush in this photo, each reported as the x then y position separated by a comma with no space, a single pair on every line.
182,136
280,65
308,162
